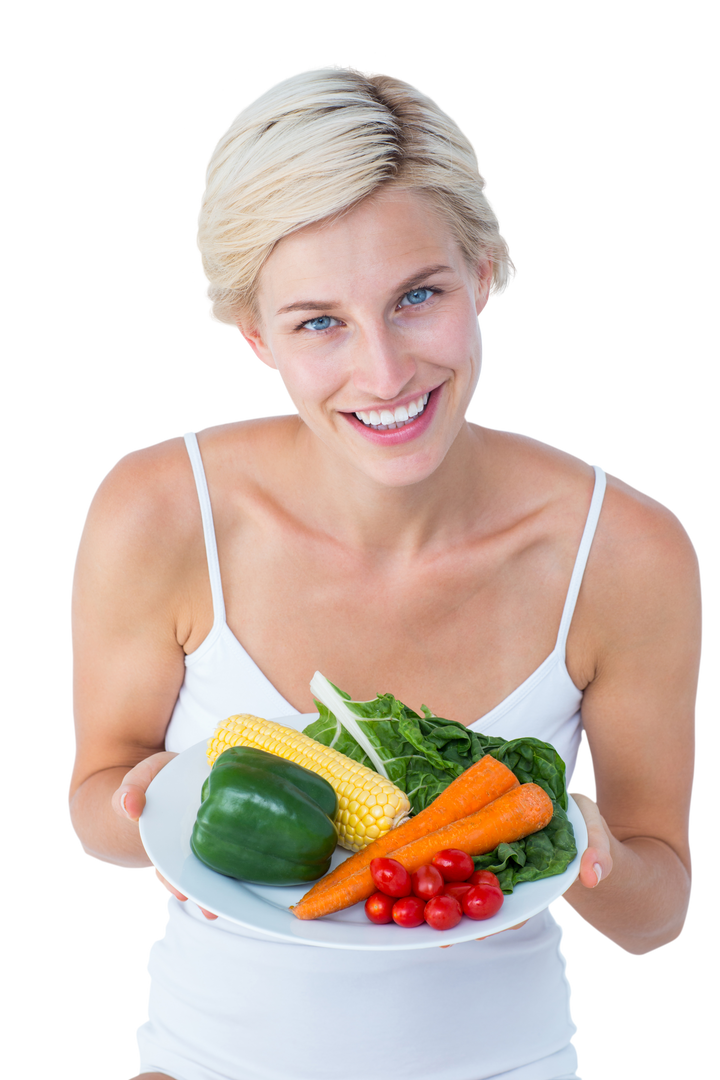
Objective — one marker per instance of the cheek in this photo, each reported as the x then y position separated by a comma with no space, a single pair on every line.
309,380
456,342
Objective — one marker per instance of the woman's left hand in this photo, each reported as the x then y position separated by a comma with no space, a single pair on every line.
596,862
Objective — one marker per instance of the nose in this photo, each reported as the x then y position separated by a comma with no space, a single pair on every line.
382,364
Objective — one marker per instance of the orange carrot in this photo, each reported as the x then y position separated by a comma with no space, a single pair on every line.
514,815
474,788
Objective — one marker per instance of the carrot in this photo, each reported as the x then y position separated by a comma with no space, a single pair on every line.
514,815
474,788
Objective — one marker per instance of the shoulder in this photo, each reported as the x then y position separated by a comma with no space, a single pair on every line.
641,596
634,531
641,582
153,489
640,543
147,499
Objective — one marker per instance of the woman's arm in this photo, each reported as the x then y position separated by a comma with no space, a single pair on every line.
131,615
640,618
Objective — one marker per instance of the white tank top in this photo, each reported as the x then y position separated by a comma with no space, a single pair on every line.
227,1005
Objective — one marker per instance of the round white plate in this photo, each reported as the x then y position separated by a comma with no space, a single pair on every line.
166,824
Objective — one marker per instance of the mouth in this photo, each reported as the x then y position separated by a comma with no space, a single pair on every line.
399,425
392,419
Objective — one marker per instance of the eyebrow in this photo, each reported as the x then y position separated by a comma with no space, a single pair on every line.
327,305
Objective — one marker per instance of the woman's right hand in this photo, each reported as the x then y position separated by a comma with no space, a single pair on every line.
128,801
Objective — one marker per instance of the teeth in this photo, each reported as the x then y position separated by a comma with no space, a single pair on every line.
403,414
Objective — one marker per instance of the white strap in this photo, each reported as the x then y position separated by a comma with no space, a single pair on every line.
582,557
208,527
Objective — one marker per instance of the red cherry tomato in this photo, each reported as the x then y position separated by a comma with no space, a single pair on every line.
426,882
454,865
409,911
482,901
456,889
484,877
443,912
391,877
378,908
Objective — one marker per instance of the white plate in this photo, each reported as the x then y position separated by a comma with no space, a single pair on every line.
166,824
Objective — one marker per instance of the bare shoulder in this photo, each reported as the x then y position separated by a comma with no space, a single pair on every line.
142,551
640,589
144,487
641,547
631,516
635,532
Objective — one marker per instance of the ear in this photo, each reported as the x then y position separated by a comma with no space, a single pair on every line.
255,340
484,283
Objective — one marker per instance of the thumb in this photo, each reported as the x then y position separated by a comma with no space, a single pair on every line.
596,862
129,799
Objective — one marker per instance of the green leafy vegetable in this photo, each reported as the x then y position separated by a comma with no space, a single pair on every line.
422,754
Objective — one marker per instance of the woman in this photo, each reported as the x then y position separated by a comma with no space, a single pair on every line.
379,537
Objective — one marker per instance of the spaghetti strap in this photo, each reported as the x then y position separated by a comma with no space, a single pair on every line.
208,528
581,558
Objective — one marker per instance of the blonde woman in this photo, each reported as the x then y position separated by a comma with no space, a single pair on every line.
378,536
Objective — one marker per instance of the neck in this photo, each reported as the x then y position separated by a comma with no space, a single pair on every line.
386,520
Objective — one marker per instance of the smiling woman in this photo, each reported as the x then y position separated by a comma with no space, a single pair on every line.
378,536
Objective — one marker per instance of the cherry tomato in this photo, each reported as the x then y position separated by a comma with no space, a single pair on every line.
391,877
454,865
409,911
426,882
443,912
484,876
378,908
457,889
482,901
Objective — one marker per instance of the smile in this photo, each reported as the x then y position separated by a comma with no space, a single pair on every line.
389,420
402,424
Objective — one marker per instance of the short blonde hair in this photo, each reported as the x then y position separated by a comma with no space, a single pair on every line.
313,147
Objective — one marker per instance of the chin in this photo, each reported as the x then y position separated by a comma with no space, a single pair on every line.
403,471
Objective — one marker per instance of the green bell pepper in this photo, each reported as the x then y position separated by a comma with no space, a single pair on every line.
265,820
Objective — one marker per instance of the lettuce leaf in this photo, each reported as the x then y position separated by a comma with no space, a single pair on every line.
422,754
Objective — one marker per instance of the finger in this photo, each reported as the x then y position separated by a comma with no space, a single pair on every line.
179,896
595,865
129,799
515,927
596,862
166,886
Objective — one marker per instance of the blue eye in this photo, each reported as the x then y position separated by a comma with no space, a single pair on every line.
322,322
415,293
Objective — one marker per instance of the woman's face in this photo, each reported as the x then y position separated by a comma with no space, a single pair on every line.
371,320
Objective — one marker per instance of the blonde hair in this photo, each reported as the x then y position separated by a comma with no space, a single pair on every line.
313,147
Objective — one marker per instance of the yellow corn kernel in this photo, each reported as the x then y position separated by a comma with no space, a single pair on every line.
369,805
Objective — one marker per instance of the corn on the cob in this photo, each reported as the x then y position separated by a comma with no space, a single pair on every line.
368,804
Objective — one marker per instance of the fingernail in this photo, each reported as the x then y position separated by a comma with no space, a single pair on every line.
598,872
125,810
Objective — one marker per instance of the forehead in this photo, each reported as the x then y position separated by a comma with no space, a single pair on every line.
379,243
